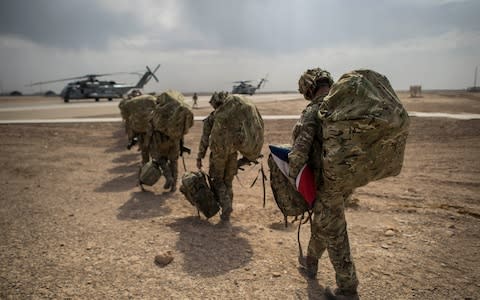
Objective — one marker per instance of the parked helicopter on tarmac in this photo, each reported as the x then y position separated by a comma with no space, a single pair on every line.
92,88
245,87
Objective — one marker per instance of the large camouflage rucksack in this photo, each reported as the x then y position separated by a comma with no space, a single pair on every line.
197,189
172,115
137,112
288,199
365,128
238,126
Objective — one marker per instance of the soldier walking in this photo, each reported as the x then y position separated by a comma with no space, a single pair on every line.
329,227
222,164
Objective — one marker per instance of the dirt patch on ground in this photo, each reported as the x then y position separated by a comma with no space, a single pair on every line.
73,223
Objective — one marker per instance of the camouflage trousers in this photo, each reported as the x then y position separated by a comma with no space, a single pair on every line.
329,232
222,170
166,152
142,147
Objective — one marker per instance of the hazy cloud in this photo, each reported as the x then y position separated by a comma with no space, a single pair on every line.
66,24
204,45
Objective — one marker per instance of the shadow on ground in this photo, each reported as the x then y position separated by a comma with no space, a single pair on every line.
280,226
143,205
125,169
130,157
211,249
119,184
315,290
120,141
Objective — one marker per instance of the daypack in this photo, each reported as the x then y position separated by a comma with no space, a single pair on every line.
288,199
238,126
172,115
137,112
150,173
365,128
199,193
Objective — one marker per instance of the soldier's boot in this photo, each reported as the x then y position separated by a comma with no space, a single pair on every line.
226,212
139,182
174,168
309,265
339,294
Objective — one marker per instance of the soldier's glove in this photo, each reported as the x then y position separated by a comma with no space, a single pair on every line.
243,162
185,150
132,143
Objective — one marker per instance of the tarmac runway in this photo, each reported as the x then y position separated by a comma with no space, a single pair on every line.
29,110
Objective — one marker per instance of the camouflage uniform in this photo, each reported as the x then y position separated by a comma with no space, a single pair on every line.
133,136
329,227
222,164
165,151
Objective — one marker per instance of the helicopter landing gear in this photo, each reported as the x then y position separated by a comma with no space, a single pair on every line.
109,99
97,99
66,99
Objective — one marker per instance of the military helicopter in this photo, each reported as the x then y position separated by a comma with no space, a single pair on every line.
244,86
92,88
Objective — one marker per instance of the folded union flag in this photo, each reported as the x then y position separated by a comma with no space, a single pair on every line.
305,181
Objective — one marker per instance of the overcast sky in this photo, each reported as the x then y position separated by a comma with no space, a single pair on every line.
204,45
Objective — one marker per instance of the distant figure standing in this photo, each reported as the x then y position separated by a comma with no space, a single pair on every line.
195,98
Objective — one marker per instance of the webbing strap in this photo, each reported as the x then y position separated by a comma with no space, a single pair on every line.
309,218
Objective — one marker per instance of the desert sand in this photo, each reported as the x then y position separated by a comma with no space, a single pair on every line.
74,223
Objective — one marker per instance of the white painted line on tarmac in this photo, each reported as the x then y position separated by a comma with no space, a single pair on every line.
462,116
57,106
200,118
73,120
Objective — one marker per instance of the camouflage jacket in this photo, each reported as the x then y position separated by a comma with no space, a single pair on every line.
207,129
307,141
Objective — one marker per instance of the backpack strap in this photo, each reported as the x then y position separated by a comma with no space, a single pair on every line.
264,178
308,219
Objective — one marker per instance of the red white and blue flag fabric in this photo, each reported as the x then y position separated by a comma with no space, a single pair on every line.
305,181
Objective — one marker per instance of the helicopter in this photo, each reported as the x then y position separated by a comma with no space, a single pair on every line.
89,87
245,87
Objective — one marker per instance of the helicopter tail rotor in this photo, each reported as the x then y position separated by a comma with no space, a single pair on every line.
147,76
153,73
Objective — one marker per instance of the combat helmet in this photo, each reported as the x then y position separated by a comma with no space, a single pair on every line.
218,99
310,81
134,93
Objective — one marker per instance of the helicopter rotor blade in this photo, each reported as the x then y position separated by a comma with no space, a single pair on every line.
242,81
56,80
108,74
79,77
153,74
